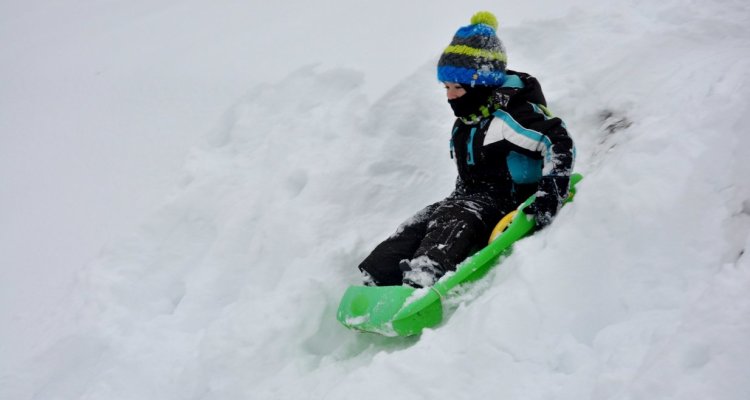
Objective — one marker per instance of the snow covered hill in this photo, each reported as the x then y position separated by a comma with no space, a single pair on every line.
638,291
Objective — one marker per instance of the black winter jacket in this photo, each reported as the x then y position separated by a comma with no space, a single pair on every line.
518,145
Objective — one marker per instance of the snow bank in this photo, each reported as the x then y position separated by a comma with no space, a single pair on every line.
637,291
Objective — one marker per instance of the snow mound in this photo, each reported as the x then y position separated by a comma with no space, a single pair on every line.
639,290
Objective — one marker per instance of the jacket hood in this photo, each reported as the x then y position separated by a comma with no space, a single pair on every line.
522,87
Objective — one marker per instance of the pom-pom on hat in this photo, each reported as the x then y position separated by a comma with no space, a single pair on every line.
476,56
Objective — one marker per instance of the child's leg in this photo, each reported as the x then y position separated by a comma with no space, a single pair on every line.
455,230
382,265
457,227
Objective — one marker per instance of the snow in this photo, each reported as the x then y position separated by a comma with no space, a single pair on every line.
188,188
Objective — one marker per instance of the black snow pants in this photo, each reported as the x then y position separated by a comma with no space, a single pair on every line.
446,232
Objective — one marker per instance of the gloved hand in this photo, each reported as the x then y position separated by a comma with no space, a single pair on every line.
543,209
549,198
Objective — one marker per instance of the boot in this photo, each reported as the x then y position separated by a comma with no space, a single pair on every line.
420,272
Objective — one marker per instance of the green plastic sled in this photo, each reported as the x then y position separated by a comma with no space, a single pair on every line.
406,311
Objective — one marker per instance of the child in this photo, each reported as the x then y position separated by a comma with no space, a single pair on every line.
506,146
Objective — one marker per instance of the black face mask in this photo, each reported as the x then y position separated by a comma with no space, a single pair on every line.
470,102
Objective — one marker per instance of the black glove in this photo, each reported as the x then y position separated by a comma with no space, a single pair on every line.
553,190
543,209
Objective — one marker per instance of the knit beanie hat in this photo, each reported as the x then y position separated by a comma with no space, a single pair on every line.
476,56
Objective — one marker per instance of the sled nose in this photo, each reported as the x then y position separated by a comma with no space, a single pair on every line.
389,310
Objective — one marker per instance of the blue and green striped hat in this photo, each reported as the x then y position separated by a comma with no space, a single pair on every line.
476,55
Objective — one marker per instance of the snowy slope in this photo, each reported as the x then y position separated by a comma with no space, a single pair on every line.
100,102
638,291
